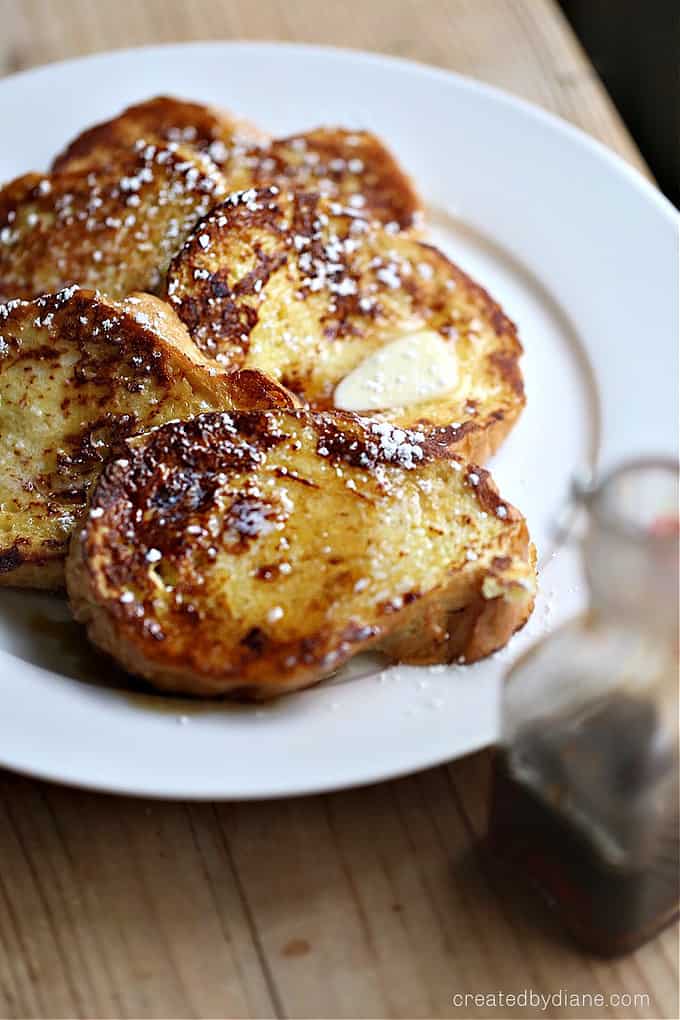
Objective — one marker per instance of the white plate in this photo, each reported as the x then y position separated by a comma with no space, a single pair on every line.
580,250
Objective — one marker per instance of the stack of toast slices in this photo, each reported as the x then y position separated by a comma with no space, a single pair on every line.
244,407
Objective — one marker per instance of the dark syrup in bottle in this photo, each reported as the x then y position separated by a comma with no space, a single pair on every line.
544,789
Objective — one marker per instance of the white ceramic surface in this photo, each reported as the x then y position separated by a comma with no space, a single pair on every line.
583,254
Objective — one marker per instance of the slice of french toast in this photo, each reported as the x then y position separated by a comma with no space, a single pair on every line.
352,167
78,373
159,121
309,291
114,227
250,554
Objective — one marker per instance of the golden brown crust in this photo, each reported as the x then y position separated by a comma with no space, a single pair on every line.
352,167
305,289
443,631
162,120
22,567
113,227
78,374
251,554
342,164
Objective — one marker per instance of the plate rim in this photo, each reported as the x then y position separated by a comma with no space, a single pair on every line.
531,109
571,133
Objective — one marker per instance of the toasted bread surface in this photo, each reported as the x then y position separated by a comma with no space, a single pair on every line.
253,553
79,373
159,121
305,289
352,167
114,228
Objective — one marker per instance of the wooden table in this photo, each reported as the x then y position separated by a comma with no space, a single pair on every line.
371,903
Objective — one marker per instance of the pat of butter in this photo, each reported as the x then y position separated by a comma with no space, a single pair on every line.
414,368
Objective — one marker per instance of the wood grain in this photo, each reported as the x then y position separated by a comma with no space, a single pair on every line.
375,902
524,46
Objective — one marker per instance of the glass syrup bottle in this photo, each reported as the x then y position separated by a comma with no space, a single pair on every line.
585,788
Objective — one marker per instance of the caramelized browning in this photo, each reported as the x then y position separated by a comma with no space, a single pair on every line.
305,289
114,227
351,166
161,121
206,567
78,375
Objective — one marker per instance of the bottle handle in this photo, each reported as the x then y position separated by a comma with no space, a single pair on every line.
570,520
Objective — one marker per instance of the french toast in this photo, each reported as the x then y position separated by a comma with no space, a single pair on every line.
114,228
159,121
250,554
79,373
307,290
350,166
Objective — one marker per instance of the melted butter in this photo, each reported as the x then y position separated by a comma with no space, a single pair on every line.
412,369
